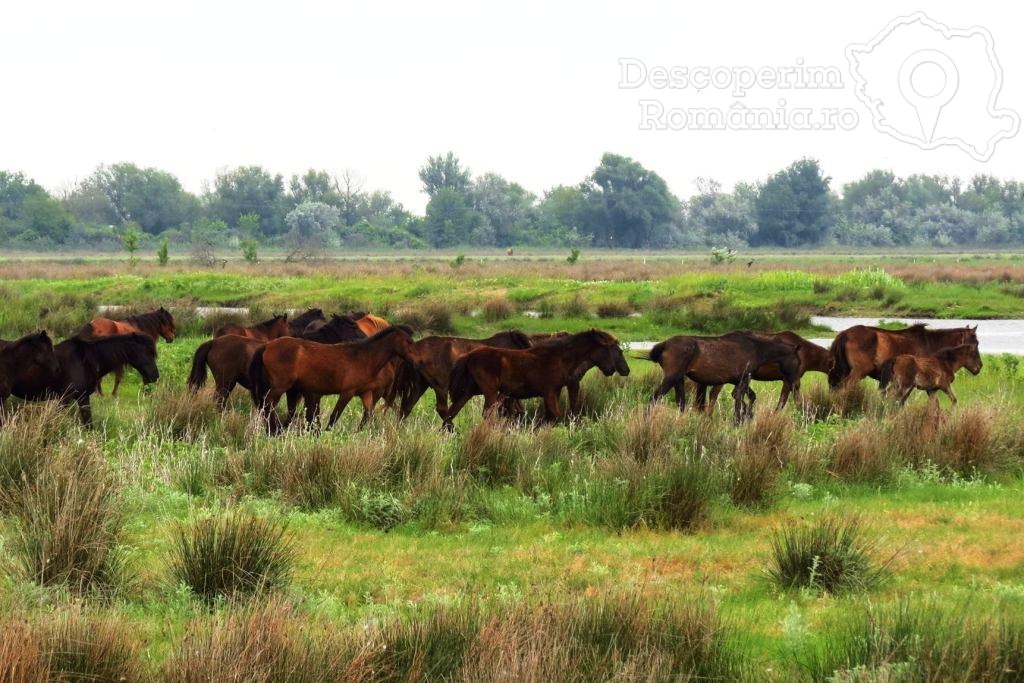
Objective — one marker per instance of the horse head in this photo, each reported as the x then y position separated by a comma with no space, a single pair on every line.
607,354
140,352
167,330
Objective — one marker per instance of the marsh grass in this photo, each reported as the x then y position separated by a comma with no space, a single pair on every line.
30,439
830,554
68,525
920,639
231,555
497,309
72,644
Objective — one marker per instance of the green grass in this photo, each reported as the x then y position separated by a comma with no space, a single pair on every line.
415,536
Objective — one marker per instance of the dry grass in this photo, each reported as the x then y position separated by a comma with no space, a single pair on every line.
30,439
860,453
497,309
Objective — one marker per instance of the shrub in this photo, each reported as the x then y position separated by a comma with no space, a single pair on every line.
576,307
490,452
860,454
428,316
829,554
613,309
68,524
232,554
498,309
29,440
182,414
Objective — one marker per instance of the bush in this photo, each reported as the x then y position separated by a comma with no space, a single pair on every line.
490,452
181,414
614,309
233,554
576,307
68,525
29,440
859,454
497,309
828,554
428,316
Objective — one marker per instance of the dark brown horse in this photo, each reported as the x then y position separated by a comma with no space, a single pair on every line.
813,358
154,324
859,351
228,358
433,358
81,362
538,371
310,370
931,373
340,328
573,387
729,359
299,323
268,329
30,354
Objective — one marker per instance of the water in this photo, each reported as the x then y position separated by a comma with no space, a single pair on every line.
994,336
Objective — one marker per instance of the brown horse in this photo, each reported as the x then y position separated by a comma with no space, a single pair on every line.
310,370
32,353
299,323
433,358
81,361
228,358
931,373
339,328
859,351
538,371
813,358
273,328
729,359
573,387
154,324
370,324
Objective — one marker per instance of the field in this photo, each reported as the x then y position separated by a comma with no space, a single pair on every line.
838,540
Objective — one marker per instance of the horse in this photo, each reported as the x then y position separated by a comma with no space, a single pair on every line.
729,359
859,351
268,329
370,324
299,323
81,362
528,373
340,328
813,358
573,387
228,358
299,367
31,353
433,358
931,373
154,324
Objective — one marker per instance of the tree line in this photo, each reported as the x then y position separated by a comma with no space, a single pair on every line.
620,204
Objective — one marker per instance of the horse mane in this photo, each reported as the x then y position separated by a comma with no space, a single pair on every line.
150,322
516,337
30,338
386,332
951,352
268,324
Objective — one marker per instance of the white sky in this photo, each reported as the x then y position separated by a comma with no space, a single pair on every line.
525,89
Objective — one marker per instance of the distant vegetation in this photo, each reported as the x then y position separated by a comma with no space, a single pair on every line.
620,205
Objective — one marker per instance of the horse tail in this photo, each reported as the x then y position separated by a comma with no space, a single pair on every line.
197,378
461,382
406,379
259,387
840,364
885,373
656,352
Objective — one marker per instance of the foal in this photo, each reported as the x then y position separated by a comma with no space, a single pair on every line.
931,373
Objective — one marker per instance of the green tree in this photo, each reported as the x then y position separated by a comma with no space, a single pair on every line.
629,206
28,212
311,226
162,253
450,221
795,207
130,238
444,172
249,190
507,208
149,197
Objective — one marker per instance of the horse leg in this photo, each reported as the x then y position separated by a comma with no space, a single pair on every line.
223,393
933,399
367,408
750,404
441,401
575,405
905,393
292,399
312,402
949,392
84,410
666,386
118,376
339,408
412,398
712,401
738,392
552,408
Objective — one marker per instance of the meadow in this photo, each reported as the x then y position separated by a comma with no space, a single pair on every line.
840,539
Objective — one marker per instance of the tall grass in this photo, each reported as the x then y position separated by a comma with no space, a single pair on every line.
30,438
68,525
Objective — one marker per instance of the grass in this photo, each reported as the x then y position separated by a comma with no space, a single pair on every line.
634,539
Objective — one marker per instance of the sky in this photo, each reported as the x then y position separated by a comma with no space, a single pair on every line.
530,90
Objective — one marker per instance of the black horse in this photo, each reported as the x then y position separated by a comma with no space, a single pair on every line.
340,328
33,352
80,363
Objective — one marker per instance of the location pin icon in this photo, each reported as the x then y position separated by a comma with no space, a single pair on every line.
928,106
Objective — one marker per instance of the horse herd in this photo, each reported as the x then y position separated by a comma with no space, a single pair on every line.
361,355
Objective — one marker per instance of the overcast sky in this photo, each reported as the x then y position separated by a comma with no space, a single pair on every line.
528,90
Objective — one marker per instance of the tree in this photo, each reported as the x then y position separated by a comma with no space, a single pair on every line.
249,190
795,207
149,197
444,172
720,218
310,228
508,209
629,206
28,212
130,241
203,239
450,220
